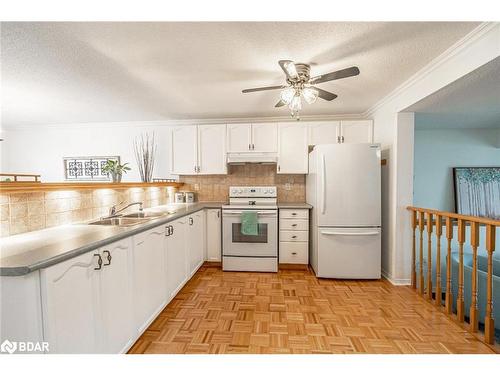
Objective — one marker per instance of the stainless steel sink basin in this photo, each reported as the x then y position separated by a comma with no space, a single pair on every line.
119,221
144,215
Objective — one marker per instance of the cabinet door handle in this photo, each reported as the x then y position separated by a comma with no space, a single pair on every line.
167,231
294,253
218,213
279,168
294,236
342,139
108,257
191,221
99,262
294,225
171,229
249,146
253,146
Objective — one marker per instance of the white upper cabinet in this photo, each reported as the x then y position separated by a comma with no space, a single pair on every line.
349,131
324,132
292,148
357,131
183,154
212,149
198,150
264,137
252,137
239,137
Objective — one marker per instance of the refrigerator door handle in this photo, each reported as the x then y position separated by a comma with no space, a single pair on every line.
351,233
323,182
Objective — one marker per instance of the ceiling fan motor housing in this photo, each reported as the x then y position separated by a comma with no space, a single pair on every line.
303,74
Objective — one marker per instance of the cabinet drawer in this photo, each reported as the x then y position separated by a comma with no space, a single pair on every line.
294,214
294,236
294,252
291,224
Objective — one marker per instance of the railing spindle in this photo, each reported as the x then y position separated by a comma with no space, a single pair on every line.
413,250
429,256
474,241
449,237
489,322
460,297
438,259
421,251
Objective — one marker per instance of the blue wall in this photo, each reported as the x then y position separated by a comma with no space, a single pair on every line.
437,151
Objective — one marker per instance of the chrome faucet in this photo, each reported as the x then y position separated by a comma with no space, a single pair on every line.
114,212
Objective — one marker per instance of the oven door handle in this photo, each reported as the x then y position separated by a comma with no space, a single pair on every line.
263,213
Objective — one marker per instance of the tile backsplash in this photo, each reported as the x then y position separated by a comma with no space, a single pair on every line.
291,188
22,212
28,211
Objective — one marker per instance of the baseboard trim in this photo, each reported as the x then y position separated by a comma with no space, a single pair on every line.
396,282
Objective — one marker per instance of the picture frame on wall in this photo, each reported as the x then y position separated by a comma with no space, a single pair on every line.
477,191
87,168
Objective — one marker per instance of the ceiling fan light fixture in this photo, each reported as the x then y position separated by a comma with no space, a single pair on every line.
291,69
287,95
296,104
310,94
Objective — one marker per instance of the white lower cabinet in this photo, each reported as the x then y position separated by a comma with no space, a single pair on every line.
176,256
150,284
102,301
196,241
214,232
70,305
294,236
86,302
116,297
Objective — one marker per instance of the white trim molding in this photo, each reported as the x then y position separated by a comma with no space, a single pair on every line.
456,48
396,282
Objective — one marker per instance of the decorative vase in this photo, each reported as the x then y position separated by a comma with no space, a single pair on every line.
117,177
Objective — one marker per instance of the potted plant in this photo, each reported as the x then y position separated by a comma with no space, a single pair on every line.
115,169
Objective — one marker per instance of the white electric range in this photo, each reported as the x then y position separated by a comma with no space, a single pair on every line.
250,253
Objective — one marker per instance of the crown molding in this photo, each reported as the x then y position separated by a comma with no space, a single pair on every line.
181,122
456,48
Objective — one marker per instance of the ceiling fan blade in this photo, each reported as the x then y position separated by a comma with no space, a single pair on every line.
339,74
323,94
264,88
281,103
288,67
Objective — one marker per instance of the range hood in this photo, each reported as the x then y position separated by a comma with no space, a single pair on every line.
252,157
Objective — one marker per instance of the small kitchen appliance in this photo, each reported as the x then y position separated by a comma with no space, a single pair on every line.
189,196
242,252
179,197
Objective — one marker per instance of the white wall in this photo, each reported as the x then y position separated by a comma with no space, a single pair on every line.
41,150
393,131
437,151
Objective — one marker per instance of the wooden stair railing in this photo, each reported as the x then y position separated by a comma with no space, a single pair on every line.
432,221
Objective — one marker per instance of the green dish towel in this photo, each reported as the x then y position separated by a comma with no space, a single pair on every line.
249,224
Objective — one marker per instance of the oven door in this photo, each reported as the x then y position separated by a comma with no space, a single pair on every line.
265,244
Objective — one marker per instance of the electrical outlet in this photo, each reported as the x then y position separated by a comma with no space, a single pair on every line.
288,186
196,187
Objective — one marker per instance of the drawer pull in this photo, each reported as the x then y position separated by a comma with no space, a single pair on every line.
294,213
294,236
294,253
294,225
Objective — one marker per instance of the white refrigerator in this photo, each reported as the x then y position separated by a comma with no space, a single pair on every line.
344,188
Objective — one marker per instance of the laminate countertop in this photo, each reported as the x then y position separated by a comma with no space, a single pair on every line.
27,252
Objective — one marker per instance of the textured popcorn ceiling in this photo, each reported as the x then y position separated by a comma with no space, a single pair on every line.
472,101
95,72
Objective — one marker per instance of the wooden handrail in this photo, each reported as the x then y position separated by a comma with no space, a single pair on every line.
432,221
477,219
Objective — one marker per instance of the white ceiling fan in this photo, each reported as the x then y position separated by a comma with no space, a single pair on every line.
300,85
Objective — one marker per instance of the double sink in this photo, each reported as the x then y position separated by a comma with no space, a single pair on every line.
130,219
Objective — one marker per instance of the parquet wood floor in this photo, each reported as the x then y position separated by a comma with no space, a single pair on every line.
294,312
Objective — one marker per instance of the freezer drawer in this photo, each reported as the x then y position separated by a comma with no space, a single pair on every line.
349,253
